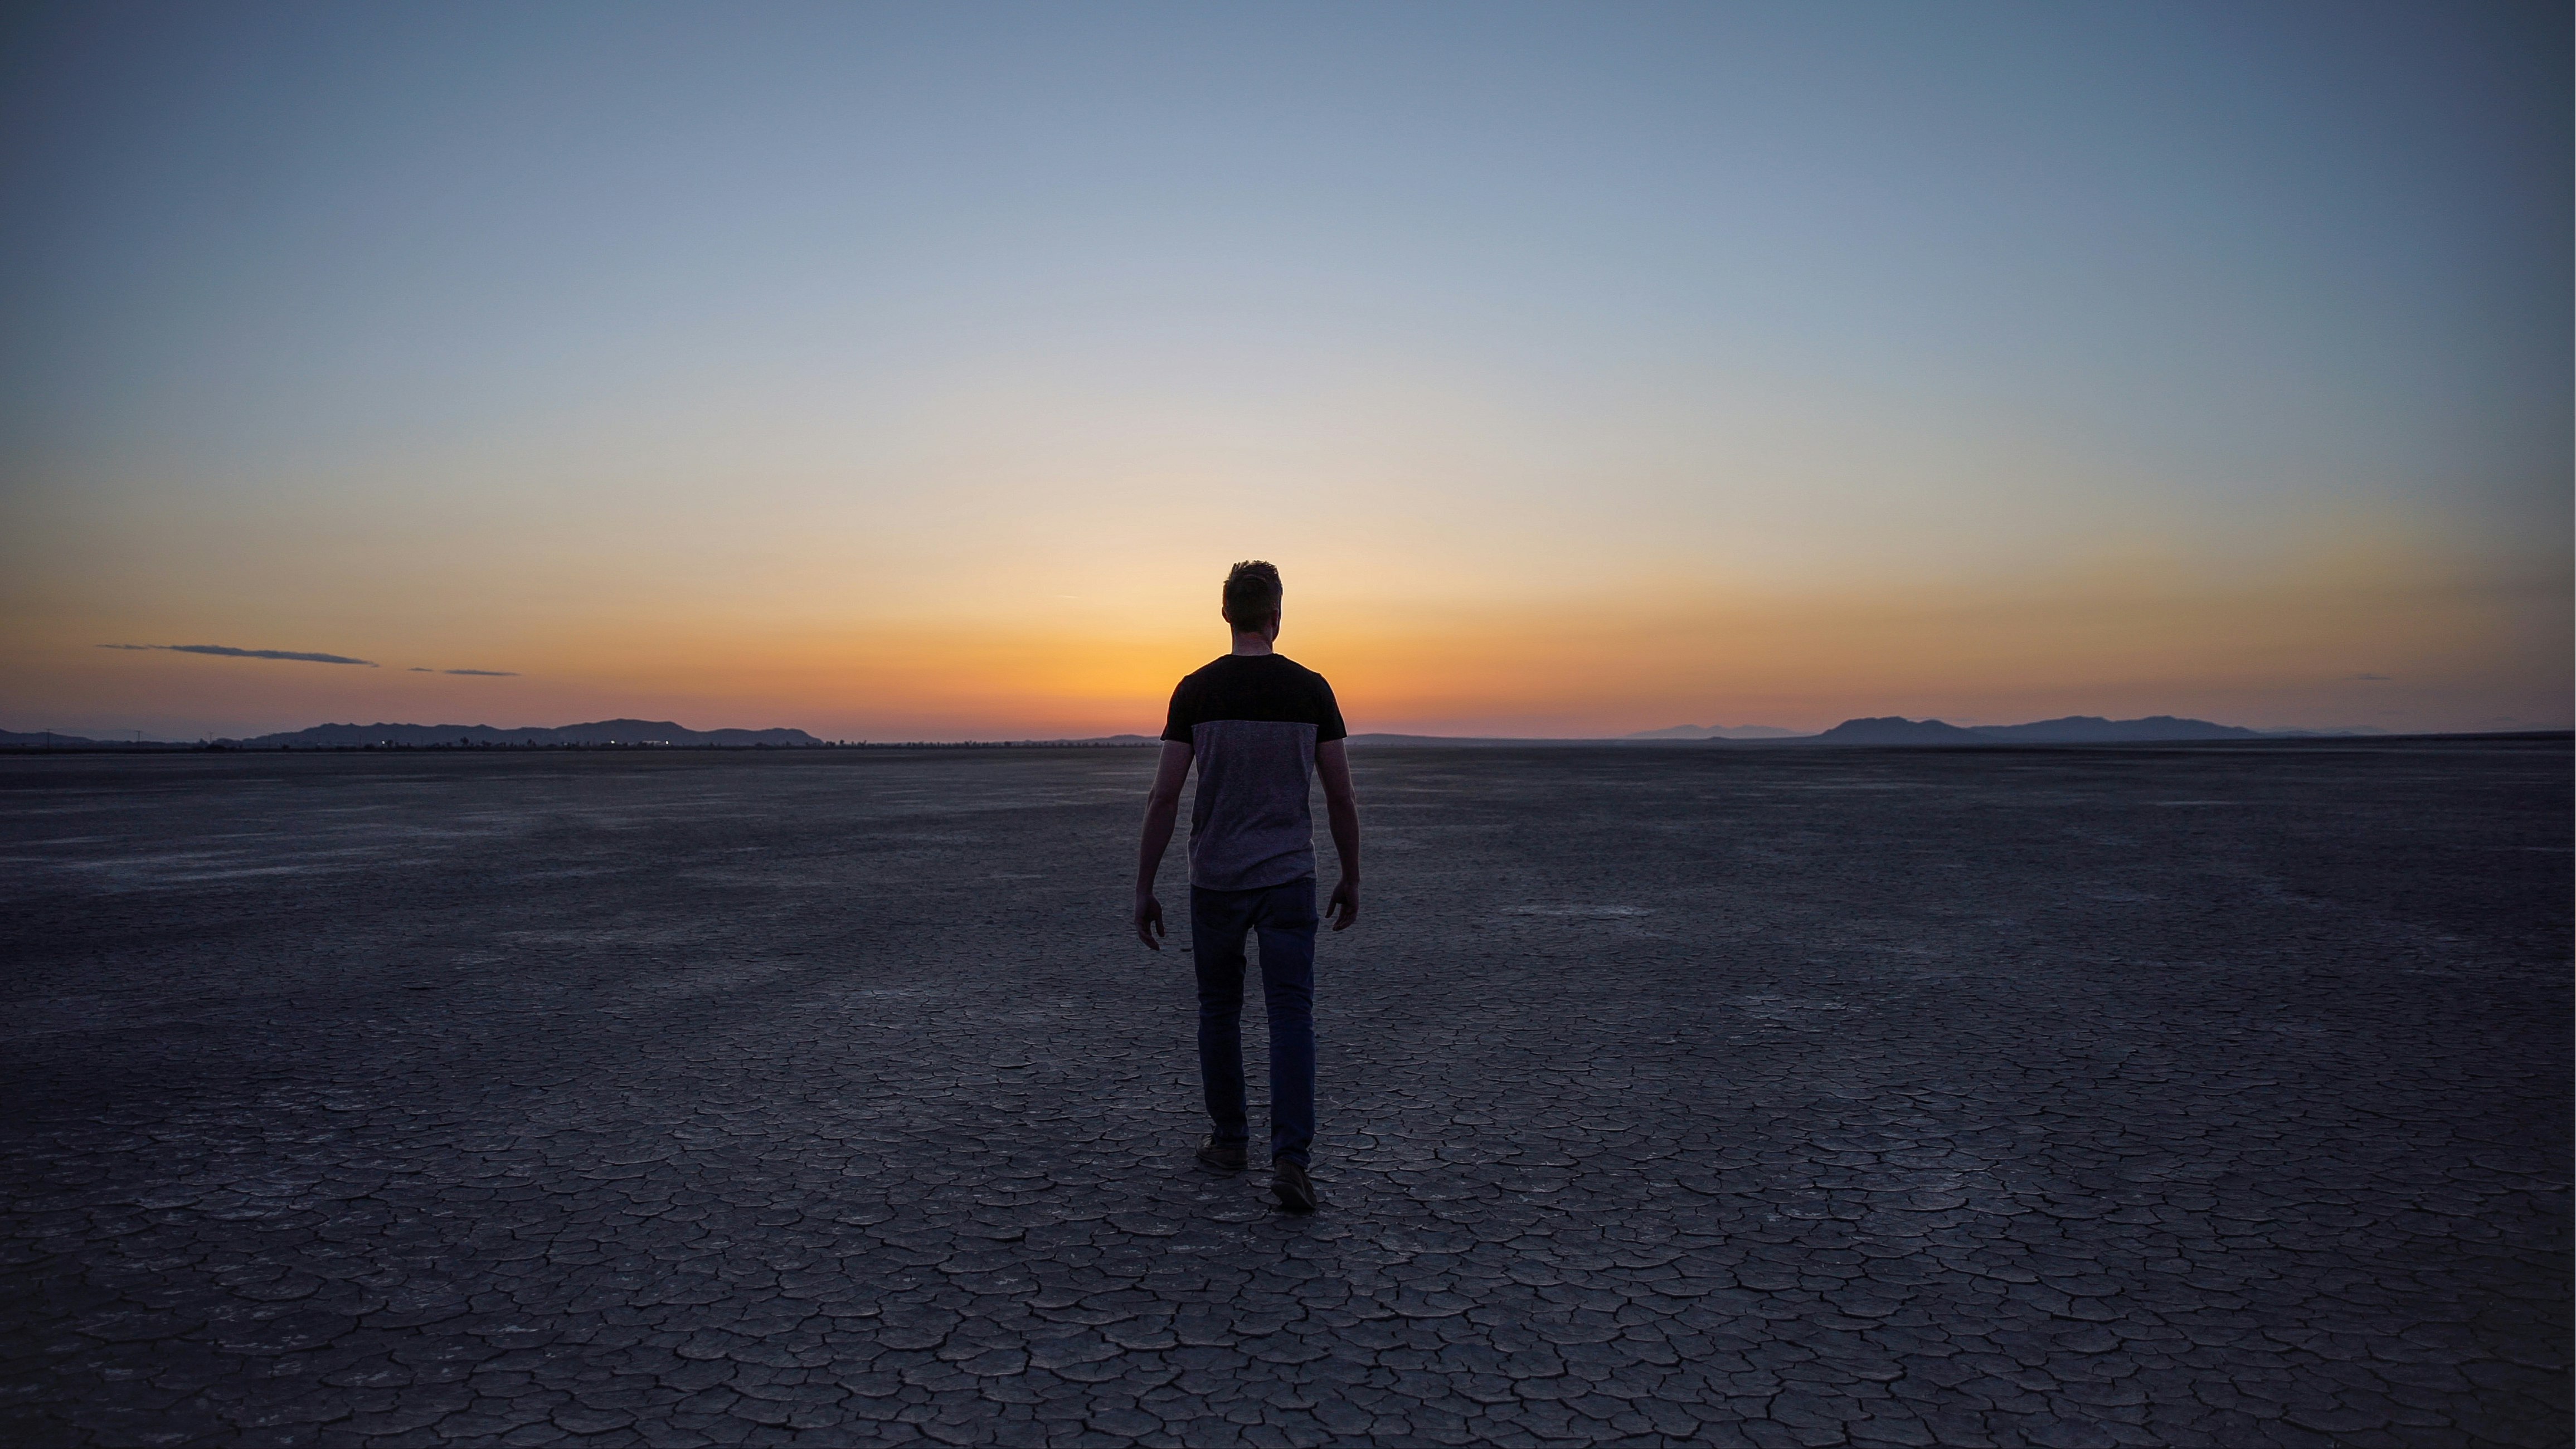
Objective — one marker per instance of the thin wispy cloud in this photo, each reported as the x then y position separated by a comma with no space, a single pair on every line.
2380,677
484,673
229,652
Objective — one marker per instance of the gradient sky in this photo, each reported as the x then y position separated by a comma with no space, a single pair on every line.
916,372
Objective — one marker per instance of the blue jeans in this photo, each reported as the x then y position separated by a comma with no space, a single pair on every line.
1284,915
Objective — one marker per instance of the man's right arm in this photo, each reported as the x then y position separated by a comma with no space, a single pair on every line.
1162,812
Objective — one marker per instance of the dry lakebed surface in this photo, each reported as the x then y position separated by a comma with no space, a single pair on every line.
2204,1095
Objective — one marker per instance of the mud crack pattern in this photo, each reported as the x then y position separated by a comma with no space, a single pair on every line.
2207,1096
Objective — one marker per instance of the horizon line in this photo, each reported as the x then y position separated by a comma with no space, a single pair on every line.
1634,738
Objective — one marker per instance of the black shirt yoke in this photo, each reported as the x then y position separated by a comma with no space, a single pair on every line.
1252,722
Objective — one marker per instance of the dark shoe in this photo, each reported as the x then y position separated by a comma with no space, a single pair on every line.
1288,1180
1223,1156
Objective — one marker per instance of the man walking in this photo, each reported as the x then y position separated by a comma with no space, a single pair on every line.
1261,728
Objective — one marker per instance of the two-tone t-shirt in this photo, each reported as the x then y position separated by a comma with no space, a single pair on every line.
1252,722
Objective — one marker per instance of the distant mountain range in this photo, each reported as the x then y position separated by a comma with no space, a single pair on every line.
358,736
601,732
2074,729
2078,729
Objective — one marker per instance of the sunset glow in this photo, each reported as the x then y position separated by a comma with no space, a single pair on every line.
917,373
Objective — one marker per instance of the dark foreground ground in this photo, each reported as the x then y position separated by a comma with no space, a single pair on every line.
2204,1095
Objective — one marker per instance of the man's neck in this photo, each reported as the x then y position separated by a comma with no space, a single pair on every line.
1252,644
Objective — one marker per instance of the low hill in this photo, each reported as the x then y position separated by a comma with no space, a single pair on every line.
599,732
1715,732
1895,730
2084,728
47,739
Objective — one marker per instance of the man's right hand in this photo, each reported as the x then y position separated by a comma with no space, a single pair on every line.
1149,920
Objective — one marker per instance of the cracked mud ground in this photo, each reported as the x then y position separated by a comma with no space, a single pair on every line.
1780,1097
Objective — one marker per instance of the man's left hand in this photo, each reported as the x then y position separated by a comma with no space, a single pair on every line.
1344,907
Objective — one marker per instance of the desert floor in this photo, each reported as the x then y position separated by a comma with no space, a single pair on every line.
2155,1096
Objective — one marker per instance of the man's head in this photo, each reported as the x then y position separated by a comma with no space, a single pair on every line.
1252,597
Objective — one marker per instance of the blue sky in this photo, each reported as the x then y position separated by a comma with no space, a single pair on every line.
887,368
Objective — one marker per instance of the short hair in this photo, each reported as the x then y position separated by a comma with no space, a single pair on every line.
1251,594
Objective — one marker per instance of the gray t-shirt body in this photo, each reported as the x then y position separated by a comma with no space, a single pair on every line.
1252,722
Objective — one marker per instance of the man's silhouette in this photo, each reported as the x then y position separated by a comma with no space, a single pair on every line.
1261,728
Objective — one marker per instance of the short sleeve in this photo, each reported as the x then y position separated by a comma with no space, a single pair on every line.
1328,714
1181,717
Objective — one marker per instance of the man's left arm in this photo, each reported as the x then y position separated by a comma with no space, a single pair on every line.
1342,810
1162,812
